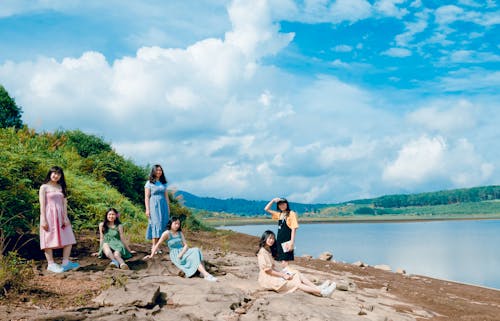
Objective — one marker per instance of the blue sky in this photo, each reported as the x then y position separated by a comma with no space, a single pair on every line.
316,101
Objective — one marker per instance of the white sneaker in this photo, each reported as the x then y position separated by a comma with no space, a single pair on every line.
326,292
324,285
54,267
210,278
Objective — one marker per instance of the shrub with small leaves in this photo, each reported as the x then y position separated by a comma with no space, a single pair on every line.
15,273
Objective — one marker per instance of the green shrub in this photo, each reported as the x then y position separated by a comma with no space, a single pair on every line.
15,273
364,211
85,144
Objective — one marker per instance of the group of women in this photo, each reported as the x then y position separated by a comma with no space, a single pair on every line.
56,233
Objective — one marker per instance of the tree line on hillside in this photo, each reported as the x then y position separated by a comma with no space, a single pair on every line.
244,207
239,206
463,195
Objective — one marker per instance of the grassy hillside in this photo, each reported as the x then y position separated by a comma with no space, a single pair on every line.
97,178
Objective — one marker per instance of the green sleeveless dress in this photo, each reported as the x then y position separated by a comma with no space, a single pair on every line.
112,237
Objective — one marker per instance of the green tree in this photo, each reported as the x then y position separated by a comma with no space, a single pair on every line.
10,113
85,144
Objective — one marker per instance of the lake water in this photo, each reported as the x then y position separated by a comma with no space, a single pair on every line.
463,251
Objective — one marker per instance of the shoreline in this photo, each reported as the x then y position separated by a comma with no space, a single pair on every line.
352,219
465,279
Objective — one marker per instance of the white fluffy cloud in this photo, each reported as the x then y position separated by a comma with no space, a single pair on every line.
417,161
397,52
445,117
433,158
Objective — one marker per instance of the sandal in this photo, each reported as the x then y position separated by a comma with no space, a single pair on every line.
124,266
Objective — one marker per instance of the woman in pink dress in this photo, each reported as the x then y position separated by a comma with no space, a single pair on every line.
270,278
55,228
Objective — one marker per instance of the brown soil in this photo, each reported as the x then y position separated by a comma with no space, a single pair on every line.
449,300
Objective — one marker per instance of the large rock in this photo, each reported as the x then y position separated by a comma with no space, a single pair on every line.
132,294
325,256
383,267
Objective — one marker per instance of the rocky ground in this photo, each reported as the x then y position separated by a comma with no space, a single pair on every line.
153,290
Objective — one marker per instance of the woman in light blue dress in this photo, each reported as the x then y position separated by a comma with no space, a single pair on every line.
189,260
157,204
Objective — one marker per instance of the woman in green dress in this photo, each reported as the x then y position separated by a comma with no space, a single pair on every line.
112,242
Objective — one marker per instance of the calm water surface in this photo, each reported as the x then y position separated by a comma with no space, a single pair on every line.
463,251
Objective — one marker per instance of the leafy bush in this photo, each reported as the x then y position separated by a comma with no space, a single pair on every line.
15,273
85,144
364,211
124,175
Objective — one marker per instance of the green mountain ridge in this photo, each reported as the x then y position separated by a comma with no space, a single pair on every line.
475,200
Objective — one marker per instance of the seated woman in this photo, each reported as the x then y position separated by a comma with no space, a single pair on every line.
189,260
272,279
112,243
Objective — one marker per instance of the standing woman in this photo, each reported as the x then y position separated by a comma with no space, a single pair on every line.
157,204
55,227
287,228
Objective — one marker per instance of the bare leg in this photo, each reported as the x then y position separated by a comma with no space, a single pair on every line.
108,252
119,258
154,241
309,289
49,255
306,281
202,270
66,253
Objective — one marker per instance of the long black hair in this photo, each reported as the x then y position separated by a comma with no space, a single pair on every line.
173,219
105,221
263,239
62,180
283,201
152,175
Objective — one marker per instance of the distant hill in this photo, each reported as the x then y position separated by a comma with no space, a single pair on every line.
388,203
239,206
454,196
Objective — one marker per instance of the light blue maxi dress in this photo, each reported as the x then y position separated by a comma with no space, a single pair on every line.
190,260
158,210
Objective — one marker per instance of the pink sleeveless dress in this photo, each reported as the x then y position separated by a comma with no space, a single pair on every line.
56,237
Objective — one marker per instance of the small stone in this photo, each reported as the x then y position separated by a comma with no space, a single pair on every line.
240,311
359,264
325,256
383,267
